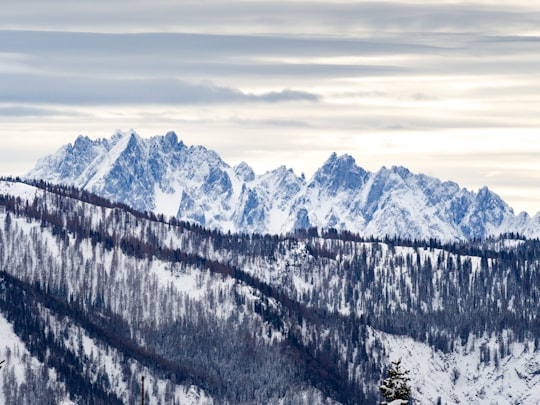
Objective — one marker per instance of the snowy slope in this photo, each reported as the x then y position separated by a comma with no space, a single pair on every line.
160,294
27,380
462,316
163,175
461,377
18,361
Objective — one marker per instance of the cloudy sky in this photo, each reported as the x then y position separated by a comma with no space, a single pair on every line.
446,88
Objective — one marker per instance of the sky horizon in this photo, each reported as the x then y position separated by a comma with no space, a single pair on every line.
449,88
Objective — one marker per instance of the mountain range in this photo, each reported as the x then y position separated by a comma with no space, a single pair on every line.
163,175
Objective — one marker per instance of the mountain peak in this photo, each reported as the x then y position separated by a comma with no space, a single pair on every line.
401,171
334,158
134,139
340,172
82,140
119,134
244,172
171,138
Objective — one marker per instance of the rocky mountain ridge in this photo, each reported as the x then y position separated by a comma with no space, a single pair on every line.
163,175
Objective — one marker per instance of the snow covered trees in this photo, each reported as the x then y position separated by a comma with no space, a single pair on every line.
395,388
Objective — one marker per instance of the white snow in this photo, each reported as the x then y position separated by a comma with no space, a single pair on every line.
17,189
460,377
388,202
167,202
18,358
457,378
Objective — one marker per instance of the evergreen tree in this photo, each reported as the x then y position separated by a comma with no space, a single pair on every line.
395,388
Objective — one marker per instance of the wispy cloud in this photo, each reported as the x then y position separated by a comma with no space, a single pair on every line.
308,17
73,90
26,111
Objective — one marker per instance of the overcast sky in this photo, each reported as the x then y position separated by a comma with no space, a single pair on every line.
446,88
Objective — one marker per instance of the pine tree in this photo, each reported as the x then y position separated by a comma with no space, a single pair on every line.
395,388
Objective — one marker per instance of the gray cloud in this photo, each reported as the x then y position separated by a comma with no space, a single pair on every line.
285,62
26,111
210,57
268,17
197,48
87,91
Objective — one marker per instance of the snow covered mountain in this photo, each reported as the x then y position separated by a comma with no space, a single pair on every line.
163,175
94,295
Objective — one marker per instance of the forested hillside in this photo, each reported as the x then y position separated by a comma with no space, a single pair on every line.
100,294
